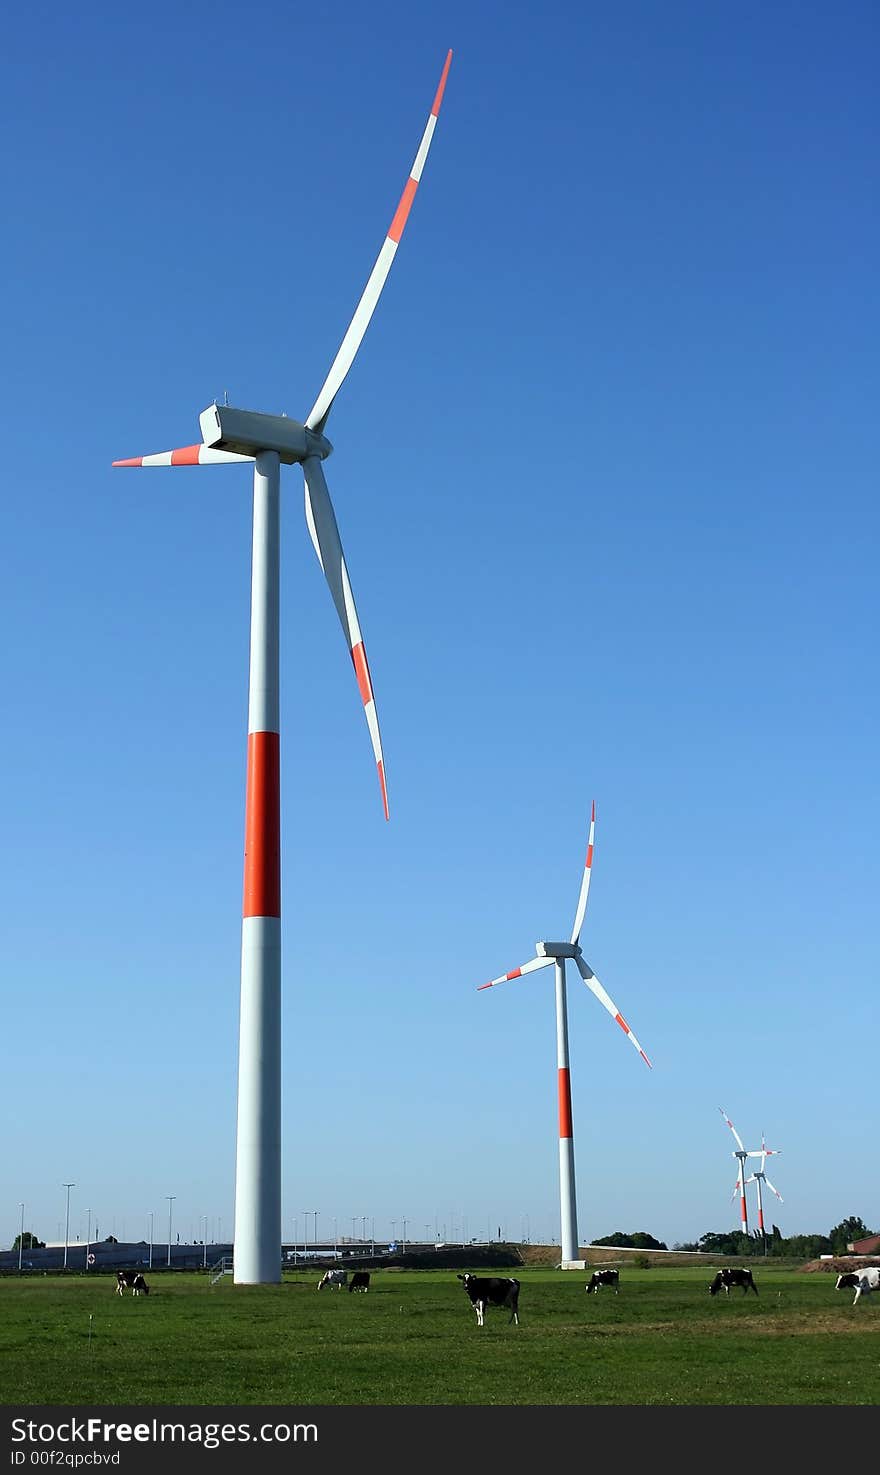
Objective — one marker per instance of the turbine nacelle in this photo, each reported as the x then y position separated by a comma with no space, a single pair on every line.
247,432
557,949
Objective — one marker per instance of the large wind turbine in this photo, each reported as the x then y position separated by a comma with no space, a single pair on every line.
231,435
557,952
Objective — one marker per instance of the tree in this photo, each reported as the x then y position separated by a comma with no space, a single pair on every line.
637,1241
845,1233
28,1241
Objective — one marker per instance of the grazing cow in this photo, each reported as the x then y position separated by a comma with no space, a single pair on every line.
360,1281
337,1278
863,1281
601,1278
492,1290
732,1276
133,1278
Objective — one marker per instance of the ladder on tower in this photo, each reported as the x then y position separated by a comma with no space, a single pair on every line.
222,1267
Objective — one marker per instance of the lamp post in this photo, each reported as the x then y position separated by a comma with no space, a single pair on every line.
68,1186
151,1240
335,1240
205,1243
404,1236
305,1213
21,1239
352,1228
372,1236
170,1197
88,1235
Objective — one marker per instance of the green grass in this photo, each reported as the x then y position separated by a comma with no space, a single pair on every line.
414,1340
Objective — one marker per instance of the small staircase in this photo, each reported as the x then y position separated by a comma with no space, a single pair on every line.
222,1267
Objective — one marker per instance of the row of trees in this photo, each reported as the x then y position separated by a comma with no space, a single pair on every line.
735,1242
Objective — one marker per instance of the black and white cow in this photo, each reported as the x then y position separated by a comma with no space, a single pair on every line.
360,1281
337,1278
732,1276
492,1290
601,1278
862,1281
132,1278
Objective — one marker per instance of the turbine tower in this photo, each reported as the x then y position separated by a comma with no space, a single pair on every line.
557,953
233,436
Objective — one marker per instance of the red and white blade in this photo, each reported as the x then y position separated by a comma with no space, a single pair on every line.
324,533
605,999
733,1129
517,972
585,883
372,291
185,456
772,1189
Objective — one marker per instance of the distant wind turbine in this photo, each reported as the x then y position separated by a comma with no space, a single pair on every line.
741,1153
557,952
759,1177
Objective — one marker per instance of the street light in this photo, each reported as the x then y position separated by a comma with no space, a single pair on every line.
151,1241
88,1236
170,1197
68,1186
205,1242
404,1236
305,1213
21,1239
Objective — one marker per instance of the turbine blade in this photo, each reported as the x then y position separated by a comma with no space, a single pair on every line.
585,883
517,972
732,1128
324,532
185,456
735,1190
773,1190
593,983
372,291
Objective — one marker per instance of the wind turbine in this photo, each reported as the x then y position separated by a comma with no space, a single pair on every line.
232,435
760,1177
558,952
741,1153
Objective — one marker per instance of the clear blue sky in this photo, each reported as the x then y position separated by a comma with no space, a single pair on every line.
606,478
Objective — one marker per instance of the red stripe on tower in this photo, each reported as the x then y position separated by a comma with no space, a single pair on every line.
262,827
564,1084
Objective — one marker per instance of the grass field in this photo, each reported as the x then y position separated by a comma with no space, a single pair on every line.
413,1339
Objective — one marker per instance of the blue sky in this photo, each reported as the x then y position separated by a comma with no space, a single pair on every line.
606,478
